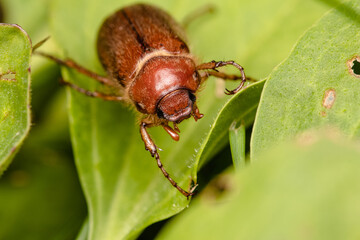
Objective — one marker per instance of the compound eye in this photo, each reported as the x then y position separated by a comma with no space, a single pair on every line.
192,97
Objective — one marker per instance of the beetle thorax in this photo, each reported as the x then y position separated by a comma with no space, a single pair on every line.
164,85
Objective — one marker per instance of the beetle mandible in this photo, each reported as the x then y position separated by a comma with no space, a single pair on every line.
143,50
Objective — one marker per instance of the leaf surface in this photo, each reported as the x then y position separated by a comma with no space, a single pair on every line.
15,52
298,190
315,86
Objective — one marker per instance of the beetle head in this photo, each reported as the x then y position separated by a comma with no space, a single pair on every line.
176,105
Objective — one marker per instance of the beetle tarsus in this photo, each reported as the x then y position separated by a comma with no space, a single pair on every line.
231,92
213,65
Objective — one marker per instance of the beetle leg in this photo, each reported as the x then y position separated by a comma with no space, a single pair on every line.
213,65
71,64
151,147
226,76
149,143
92,94
174,135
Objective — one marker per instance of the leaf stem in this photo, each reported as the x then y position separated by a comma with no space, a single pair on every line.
237,144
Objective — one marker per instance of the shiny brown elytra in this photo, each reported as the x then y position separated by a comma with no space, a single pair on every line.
144,52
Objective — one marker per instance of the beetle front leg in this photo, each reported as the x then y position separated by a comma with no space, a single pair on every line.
213,65
151,147
149,143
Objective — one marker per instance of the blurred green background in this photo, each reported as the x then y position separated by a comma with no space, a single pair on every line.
40,193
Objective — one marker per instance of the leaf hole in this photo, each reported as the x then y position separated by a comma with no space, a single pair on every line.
354,66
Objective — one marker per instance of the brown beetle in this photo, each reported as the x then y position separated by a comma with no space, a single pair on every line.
144,52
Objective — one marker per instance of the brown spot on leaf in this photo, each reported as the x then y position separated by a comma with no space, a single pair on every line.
329,98
8,76
354,66
312,136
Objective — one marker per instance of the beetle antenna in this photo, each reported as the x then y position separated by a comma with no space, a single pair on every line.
39,44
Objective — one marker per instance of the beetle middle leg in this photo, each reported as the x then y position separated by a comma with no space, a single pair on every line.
94,94
151,147
213,65
71,64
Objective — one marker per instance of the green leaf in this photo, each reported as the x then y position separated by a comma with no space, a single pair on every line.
309,189
241,108
314,86
15,52
41,197
124,189
44,73
84,231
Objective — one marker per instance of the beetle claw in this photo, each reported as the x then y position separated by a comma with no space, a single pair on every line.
229,92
